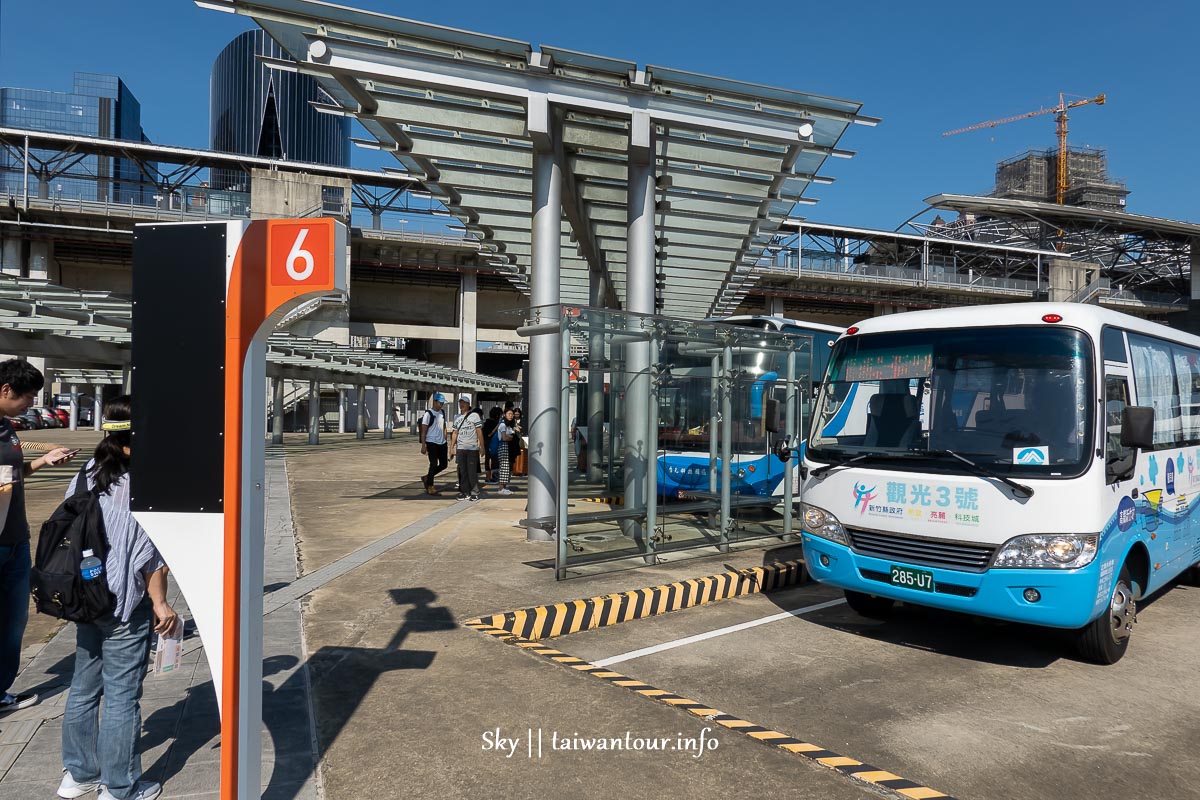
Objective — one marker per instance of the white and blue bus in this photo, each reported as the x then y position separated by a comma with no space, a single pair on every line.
685,408
1035,462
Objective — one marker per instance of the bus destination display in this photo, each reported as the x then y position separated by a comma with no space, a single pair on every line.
888,364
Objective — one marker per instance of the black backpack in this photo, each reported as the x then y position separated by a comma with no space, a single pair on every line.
56,583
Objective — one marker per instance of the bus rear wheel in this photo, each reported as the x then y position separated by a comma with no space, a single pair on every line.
1106,639
869,605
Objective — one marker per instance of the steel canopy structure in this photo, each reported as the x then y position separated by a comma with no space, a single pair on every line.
588,180
465,113
38,318
1148,258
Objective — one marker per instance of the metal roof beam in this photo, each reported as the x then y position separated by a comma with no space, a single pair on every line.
380,63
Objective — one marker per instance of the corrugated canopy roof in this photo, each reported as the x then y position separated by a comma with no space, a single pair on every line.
1116,221
733,159
43,319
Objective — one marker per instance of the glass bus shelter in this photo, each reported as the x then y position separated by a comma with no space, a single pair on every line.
723,412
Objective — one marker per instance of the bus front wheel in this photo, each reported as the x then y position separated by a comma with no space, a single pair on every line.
869,605
1106,639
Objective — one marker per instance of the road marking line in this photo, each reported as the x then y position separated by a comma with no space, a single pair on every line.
700,637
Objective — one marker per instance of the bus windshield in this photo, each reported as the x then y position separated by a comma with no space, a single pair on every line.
1017,400
685,398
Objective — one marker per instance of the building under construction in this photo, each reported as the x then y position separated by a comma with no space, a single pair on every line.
1030,176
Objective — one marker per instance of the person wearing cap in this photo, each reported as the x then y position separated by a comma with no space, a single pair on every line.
100,741
464,446
433,440
20,383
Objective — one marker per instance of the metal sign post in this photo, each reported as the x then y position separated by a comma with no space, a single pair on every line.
206,297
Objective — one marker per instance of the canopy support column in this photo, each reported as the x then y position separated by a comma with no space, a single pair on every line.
277,417
314,412
640,448
545,373
597,296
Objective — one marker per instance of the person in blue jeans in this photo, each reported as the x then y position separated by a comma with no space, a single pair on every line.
100,750
20,383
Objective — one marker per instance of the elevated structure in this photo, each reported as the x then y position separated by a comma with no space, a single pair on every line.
1136,262
93,328
589,180
466,113
839,273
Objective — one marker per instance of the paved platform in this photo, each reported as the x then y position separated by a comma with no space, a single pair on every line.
180,722
368,665
401,695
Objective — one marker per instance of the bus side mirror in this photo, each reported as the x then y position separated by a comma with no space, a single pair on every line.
771,414
1137,427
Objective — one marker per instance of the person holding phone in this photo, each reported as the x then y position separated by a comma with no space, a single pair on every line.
507,429
100,746
20,383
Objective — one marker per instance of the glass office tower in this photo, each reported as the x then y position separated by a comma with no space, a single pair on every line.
259,111
99,105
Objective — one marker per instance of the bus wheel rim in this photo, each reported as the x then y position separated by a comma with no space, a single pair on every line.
1122,611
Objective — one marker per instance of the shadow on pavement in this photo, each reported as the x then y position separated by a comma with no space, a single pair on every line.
340,676
945,632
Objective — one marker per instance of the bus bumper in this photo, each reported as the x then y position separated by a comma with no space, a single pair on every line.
1068,598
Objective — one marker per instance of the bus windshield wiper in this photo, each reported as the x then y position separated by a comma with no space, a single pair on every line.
1021,488
846,463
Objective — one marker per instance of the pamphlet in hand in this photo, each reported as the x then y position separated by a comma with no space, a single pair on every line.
169,651
6,489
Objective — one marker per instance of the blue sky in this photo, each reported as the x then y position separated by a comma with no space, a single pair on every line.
923,67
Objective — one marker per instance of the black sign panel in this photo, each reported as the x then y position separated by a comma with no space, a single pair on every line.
178,462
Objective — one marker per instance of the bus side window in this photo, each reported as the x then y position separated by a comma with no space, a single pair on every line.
1116,397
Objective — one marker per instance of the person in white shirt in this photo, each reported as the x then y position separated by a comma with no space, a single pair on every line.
433,441
464,446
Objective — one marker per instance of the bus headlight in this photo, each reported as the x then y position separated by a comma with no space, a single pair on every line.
820,522
1051,551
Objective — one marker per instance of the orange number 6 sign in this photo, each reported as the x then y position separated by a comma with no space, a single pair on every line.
299,252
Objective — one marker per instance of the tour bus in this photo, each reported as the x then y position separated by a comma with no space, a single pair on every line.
685,408
1032,462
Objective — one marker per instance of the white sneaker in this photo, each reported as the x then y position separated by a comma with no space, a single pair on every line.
15,702
70,787
505,491
145,790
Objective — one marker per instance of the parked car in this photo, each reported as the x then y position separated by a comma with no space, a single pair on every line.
32,419
18,423
49,420
63,415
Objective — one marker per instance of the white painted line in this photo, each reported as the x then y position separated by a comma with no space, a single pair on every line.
700,637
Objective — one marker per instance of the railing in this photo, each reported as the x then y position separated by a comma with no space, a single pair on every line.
1098,287
1141,297
837,267
130,210
306,308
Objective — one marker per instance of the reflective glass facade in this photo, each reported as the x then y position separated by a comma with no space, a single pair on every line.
264,112
99,105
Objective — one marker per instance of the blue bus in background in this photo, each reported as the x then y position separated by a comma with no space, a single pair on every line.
685,410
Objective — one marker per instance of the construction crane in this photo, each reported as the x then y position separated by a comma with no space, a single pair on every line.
1060,112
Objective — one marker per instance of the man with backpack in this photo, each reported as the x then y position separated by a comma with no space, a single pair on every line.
433,440
20,383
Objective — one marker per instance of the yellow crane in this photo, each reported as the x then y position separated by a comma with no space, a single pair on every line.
1060,112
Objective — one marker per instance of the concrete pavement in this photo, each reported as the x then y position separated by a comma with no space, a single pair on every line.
401,695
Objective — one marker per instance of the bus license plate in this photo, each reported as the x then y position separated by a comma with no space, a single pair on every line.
912,578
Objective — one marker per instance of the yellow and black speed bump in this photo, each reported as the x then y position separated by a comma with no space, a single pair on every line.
614,500
561,619
523,628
